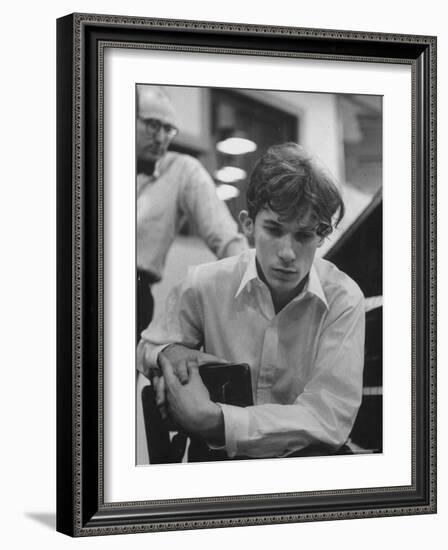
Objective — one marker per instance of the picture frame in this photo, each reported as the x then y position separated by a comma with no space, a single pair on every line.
81,506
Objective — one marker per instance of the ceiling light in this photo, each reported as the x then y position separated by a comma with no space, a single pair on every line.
236,146
229,174
226,192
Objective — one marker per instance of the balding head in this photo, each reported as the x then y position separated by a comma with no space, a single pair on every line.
153,103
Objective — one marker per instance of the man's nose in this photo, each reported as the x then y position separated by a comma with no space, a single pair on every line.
159,136
286,251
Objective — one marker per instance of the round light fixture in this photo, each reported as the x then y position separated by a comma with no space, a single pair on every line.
226,192
229,174
236,146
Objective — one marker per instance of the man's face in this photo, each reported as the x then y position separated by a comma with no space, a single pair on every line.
285,250
153,143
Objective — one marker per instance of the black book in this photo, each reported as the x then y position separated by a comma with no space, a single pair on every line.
228,383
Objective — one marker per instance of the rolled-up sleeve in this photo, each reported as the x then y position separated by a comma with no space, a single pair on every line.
198,198
324,413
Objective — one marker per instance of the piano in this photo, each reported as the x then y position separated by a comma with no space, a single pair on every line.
358,252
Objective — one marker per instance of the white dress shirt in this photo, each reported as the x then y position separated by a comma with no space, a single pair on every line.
306,361
180,186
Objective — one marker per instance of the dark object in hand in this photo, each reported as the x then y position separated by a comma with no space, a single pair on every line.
228,383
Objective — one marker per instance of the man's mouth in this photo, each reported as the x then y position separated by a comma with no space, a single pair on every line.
154,149
285,272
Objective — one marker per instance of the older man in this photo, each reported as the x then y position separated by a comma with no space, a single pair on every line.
170,185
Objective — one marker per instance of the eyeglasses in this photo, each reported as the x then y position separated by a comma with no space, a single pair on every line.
154,125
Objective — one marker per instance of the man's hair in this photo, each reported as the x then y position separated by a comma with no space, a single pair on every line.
288,181
158,93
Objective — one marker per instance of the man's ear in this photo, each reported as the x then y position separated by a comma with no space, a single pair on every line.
247,224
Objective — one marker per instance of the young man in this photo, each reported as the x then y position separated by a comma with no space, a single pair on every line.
296,320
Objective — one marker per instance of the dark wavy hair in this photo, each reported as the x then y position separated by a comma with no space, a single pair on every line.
288,181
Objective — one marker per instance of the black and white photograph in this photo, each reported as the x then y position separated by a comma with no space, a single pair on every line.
222,275
259,246
246,274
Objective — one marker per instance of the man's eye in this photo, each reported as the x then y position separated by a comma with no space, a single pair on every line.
152,123
275,231
304,237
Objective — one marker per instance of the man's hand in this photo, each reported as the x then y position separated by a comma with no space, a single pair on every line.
179,356
189,404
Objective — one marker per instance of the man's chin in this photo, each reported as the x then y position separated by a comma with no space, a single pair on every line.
286,280
284,287
152,157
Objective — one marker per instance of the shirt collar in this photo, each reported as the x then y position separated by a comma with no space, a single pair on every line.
312,286
249,274
157,168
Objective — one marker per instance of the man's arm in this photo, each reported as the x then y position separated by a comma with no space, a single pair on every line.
178,334
214,222
179,358
189,404
181,324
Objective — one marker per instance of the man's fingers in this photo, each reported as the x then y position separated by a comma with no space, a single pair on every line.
182,372
195,376
160,391
192,367
154,373
158,383
179,367
168,371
